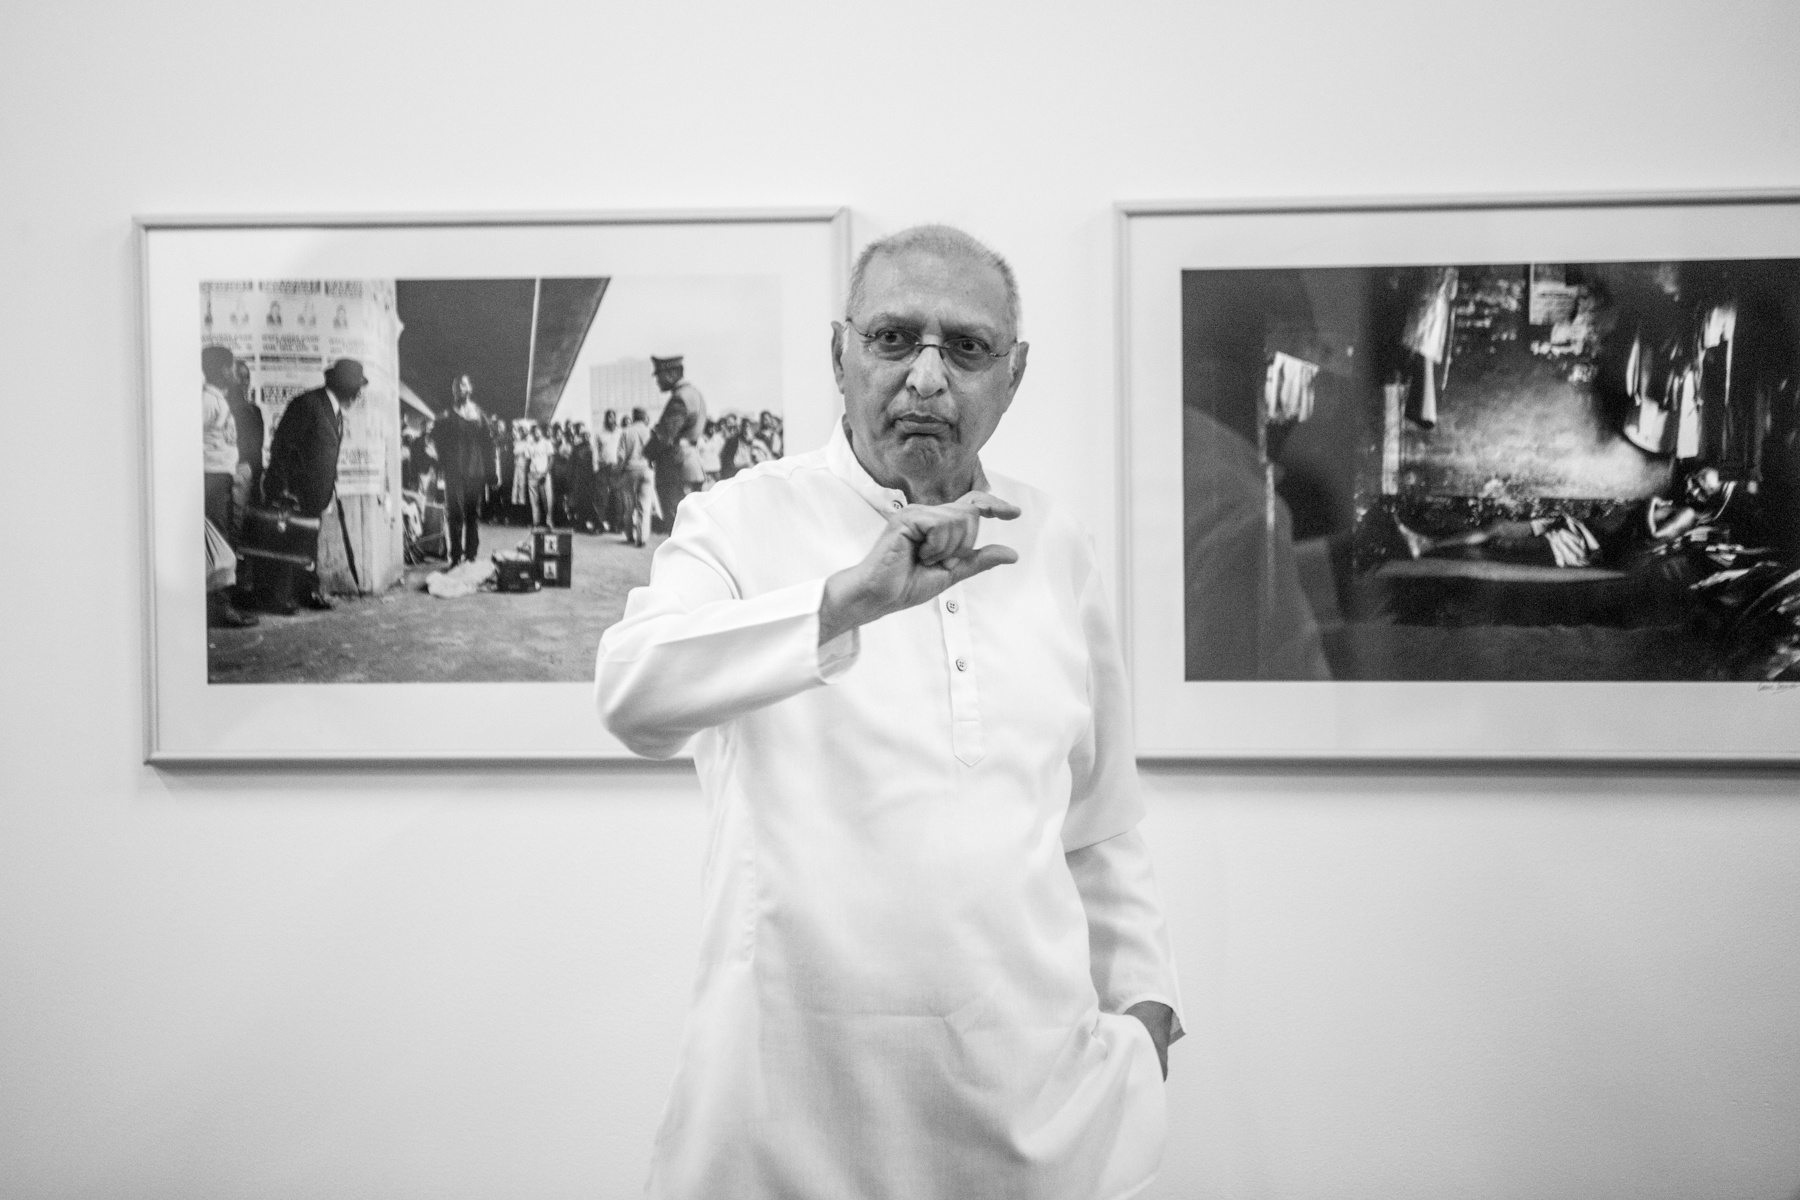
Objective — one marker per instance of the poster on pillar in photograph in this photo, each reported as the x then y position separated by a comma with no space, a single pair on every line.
1511,479
401,473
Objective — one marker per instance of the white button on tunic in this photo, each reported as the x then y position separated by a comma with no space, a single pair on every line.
926,901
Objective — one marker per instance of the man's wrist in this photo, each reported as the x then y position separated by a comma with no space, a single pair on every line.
842,606
1159,1019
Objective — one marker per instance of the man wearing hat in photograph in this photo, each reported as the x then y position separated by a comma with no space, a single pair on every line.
303,457
683,419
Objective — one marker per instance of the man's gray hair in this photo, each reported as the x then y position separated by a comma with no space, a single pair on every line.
946,241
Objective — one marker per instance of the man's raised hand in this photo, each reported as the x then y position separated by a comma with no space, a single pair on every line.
924,549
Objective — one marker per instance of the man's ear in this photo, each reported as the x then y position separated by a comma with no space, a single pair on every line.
1019,354
837,354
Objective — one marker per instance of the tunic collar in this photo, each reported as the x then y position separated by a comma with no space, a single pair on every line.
841,460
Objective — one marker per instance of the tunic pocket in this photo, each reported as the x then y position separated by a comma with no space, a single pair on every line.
1144,1125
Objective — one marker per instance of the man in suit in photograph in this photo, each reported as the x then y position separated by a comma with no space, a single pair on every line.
303,457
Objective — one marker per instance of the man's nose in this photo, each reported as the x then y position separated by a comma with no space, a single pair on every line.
926,378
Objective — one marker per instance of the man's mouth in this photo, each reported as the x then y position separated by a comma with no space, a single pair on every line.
921,425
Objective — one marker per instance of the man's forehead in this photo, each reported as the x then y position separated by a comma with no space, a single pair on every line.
920,283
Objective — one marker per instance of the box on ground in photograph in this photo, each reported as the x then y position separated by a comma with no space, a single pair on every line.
553,550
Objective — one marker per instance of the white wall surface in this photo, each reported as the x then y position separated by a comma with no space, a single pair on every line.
469,983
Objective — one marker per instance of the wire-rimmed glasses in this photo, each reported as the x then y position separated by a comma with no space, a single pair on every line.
897,344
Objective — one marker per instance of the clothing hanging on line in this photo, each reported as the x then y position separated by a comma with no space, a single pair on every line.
1720,326
1288,389
1685,388
1648,426
1429,333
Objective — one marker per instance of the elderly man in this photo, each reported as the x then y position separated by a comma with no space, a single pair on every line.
933,962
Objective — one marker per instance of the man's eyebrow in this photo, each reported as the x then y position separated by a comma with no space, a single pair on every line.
981,328
914,321
883,316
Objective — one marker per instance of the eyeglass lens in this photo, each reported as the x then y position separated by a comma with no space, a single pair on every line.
895,344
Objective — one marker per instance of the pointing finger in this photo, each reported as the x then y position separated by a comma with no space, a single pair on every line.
989,505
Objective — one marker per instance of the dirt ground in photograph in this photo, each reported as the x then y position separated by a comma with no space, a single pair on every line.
406,635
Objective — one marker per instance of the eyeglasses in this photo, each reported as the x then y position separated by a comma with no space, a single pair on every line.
894,344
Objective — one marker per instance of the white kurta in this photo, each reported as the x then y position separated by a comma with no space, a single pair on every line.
926,901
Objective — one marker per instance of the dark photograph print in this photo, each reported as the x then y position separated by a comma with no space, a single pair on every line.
1493,472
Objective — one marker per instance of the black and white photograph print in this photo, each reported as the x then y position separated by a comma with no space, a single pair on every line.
1508,478
459,480
1493,471
433,455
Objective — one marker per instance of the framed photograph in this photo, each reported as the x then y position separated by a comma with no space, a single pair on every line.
431,455
1497,479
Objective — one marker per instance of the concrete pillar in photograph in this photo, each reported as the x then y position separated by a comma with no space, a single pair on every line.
369,458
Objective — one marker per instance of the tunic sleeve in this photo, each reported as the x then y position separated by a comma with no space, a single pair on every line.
1128,941
692,652
1104,800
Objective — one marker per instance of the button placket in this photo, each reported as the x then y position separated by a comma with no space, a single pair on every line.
968,740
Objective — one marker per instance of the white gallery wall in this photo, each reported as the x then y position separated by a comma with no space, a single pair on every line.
469,983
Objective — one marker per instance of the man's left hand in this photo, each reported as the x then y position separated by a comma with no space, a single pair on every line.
924,549
1159,1019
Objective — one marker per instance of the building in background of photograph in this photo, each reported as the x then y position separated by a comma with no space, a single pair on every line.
726,328
620,386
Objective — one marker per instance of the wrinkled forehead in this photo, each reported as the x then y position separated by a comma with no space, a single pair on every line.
922,286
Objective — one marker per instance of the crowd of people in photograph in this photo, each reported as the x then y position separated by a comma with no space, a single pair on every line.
624,477
459,468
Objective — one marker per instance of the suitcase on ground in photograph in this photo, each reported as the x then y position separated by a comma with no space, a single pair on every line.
280,535
515,575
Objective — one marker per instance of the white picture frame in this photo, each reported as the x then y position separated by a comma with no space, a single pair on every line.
1253,720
